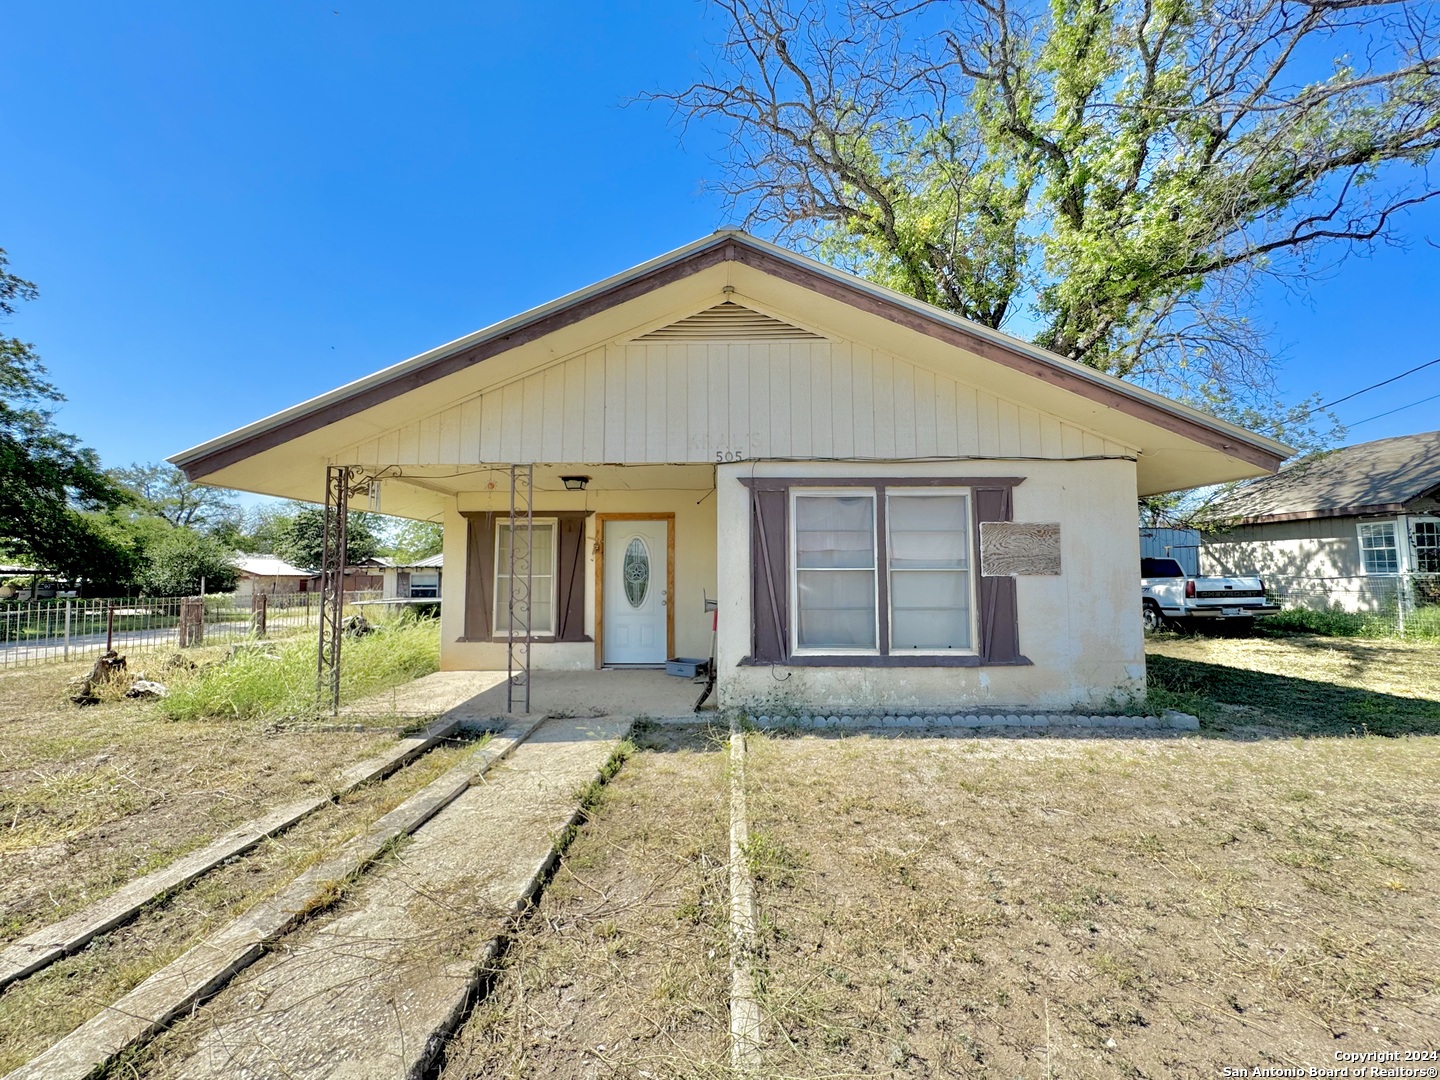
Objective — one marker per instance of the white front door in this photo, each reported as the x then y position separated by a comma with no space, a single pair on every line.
634,597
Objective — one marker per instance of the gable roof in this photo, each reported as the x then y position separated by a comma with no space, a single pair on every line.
689,273
1368,478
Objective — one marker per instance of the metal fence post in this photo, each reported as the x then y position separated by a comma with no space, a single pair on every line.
69,605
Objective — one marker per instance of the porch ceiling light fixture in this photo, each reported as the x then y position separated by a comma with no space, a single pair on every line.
575,483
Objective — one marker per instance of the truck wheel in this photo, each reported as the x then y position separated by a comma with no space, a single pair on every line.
1154,620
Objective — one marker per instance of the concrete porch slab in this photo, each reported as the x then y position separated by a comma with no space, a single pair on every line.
478,697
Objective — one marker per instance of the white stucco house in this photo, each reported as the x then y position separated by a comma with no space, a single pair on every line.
895,507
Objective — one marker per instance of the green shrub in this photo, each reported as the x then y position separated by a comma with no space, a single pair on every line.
280,681
1421,623
1309,621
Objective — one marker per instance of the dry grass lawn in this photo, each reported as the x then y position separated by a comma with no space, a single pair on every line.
38,1010
622,968
1114,906
1299,684
91,798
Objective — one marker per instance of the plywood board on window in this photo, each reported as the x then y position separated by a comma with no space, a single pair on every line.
1019,548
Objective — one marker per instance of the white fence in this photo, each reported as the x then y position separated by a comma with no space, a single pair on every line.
52,631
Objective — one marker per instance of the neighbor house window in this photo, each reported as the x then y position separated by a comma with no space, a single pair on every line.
1427,547
425,584
1378,551
881,573
542,578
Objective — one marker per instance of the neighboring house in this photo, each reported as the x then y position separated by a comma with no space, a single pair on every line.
419,580
366,575
896,507
1351,528
268,574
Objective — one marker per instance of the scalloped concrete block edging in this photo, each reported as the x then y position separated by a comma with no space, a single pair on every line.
1169,720
72,933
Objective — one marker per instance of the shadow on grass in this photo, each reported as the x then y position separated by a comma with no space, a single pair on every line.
1290,705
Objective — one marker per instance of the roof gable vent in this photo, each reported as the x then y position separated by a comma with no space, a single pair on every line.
729,321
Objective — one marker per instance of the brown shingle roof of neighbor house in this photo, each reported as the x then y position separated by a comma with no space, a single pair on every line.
1368,478
730,246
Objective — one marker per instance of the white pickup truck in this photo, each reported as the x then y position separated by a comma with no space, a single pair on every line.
1170,595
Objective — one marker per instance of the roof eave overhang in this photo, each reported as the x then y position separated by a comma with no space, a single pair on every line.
1315,515
309,416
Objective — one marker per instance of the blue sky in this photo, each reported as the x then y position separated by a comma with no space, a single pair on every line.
231,208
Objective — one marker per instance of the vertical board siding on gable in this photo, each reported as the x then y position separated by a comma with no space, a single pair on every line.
682,401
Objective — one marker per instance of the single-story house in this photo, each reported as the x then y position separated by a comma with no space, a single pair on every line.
362,575
895,507
268,574
1342,528
417,580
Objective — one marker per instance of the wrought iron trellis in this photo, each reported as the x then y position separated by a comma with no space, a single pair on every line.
339,486
522,567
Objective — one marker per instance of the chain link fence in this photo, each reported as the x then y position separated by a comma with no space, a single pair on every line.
1400,605
52,631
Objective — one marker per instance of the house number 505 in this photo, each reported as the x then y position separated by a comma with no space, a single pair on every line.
729,455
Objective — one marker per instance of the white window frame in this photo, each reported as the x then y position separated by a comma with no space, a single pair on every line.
921,492
1360,532
880,490
1414,538
548,631
794,568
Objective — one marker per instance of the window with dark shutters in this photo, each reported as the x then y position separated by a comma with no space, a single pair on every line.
569,580
997,630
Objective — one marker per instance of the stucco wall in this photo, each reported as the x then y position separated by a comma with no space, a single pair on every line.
1081,629
694,572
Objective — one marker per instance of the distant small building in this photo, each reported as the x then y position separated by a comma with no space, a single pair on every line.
268,574
418,580
1353,528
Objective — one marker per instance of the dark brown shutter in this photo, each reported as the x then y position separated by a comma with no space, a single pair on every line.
479,574
999,621
570,579
769,576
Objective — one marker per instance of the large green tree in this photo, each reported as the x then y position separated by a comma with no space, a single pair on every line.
46,476
165,491
300,540
1107,177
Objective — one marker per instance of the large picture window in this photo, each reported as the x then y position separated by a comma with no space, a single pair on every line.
881,572
1378,551
542,578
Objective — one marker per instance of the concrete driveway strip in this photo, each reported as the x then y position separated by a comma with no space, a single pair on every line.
375,989
206,967
59,939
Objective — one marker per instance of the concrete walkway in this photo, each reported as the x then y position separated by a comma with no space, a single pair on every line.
373,989
479,696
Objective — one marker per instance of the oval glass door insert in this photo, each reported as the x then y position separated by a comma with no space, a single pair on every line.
636,569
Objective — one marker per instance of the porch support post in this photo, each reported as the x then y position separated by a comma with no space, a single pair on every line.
332,585
522,537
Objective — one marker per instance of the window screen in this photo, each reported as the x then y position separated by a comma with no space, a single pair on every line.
542,578
835,571
929,557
